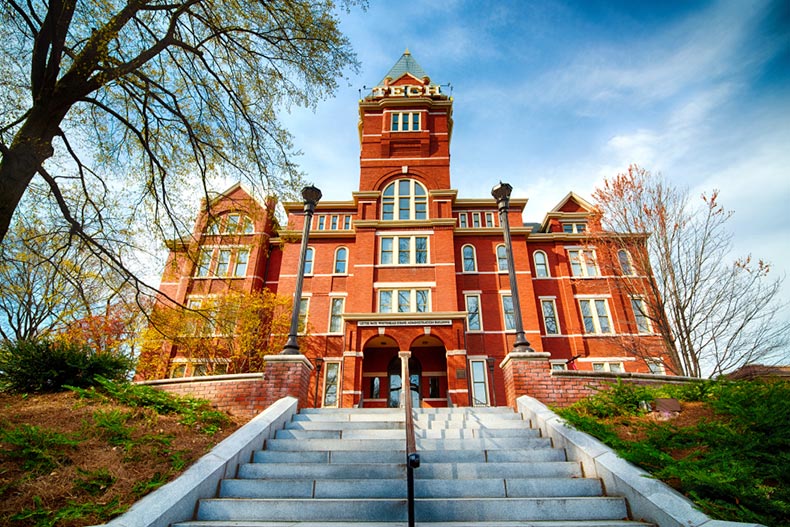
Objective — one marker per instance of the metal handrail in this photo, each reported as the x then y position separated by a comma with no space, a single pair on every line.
412,456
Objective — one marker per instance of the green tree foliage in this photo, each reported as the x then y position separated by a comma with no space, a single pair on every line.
49,366
139,103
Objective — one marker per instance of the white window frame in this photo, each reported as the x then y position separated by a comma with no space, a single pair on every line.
397,121
464,259
304,314
334,222
474,381
501,258
607,366
476,220
505,312
396,295
595,317
204,261
237,272
624,257
321,222
584,263
490,223
338,261
463,220
337,366
656,366
336,315
223,264
575,227
397,251
553,303
469,313
346,222
539,266
638,303
417,202
309,259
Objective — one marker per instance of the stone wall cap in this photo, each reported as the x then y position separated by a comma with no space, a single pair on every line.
288,358
525,355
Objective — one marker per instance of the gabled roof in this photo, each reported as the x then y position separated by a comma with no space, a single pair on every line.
583,203
406,64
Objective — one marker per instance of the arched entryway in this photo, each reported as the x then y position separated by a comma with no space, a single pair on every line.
381,371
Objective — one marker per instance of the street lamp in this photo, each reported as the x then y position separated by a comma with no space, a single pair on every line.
490,363
501,193
319,361
311,196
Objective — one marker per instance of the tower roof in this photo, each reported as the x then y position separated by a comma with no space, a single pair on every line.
405,64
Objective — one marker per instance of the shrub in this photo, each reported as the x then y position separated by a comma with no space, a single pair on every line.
47,366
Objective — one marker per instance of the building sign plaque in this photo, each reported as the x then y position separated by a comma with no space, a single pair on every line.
407,91
422,322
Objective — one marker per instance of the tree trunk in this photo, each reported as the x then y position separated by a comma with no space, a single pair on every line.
32,145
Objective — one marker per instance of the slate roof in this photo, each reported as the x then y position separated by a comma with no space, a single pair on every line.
405,64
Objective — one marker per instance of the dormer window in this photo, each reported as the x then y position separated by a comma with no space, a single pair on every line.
574,228
408,196
405,122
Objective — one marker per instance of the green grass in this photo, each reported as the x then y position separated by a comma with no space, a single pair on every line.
734,467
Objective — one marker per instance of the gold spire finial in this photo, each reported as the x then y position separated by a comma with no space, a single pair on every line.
407,52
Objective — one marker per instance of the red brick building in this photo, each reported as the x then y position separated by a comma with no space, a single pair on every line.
407,264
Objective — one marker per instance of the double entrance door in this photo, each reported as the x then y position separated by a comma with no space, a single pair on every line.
396,382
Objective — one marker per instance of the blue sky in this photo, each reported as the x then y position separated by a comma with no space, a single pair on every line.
554,96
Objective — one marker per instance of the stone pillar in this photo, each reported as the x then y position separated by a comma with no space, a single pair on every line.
526,373
351,385
287,375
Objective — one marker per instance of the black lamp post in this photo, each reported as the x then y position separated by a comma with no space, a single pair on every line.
490,363
501,193
318,363
311,196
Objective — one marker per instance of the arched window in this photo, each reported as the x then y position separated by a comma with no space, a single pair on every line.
341,259
308,261
404,199
541,264
625,262
469,259
501,258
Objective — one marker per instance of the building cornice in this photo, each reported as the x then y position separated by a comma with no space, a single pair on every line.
380,317
404,224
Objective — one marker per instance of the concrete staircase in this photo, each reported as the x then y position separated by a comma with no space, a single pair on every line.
480,467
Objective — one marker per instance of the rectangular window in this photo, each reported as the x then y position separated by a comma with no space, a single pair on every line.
613,367
347,222
321,222
489,219
408,300
411,250
204,263
336,315
385,301
331,384
386,251
433,387
304,306
405,122
479,383
583,262
223,262
556,366
462,220
508,312
242,259
420,250
595,315
404,251
234,221
476,220
550,317
473,322
640,315
334,222
574,228
656,366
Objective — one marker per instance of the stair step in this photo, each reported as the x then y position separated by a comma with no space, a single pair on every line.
396,488
549,523
479,443
397,456
428,471
400,434
458,510
324,523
